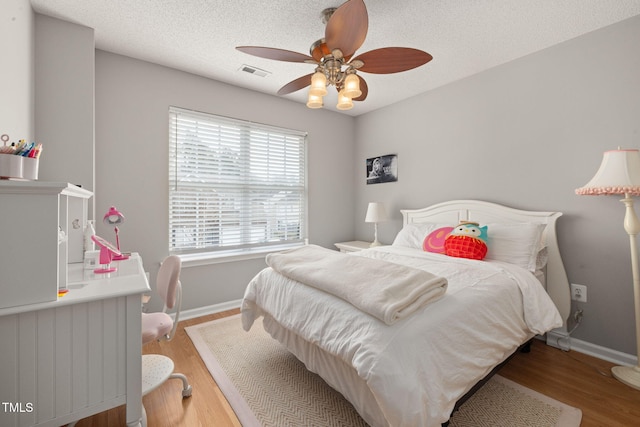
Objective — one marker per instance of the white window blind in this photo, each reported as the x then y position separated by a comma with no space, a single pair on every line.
234,184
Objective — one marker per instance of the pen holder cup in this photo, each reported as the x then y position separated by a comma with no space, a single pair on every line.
30,168
11,166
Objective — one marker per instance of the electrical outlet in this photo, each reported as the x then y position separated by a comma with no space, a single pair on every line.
578,292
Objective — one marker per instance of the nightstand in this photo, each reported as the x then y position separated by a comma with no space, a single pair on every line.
353,246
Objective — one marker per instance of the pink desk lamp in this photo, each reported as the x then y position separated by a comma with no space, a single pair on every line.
115,217
107,253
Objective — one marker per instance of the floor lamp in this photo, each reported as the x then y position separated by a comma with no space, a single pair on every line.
619,173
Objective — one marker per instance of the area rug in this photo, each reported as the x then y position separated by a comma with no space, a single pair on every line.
267,386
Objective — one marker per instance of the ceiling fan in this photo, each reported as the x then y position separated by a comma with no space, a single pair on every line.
346,29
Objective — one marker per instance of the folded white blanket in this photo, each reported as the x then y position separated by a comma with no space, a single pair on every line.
383,289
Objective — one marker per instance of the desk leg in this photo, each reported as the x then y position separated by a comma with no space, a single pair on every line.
134,361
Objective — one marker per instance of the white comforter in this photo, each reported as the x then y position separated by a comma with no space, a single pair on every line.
420,366
383,289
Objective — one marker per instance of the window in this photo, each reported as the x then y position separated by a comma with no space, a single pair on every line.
234,185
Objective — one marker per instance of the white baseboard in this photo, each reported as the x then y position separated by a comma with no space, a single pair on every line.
210,309
562,340
555,339
603,353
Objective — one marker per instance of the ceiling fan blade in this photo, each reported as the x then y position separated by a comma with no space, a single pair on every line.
295,85
347,27
364,89
274,53
390,60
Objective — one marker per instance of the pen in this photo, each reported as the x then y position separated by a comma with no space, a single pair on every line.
19,147
26,149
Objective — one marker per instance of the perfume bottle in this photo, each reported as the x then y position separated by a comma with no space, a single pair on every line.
89,231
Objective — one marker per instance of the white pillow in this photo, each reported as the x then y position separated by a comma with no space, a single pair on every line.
515,243
413,235
542,258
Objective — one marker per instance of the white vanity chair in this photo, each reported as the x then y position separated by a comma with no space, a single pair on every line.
156,368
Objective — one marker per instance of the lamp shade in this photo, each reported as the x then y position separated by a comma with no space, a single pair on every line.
344,102
376,212
318,84
113,217
352,86
314,101
619,173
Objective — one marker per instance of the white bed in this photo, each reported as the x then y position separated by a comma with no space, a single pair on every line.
412,372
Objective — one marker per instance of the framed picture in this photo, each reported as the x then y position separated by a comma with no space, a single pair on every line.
382,169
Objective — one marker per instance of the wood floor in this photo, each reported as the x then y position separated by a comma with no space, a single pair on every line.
570,377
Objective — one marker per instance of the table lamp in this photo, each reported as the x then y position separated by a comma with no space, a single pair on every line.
376,213
115,217
619,173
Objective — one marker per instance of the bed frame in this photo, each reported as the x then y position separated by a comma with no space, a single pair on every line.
557,284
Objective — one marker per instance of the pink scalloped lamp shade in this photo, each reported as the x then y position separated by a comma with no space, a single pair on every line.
619,173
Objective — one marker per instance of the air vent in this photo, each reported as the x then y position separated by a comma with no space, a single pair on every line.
254,70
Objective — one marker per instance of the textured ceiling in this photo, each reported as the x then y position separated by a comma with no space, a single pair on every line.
464,36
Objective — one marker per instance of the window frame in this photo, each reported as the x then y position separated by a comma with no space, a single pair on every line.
244,185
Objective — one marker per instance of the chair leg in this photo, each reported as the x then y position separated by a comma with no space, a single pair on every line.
186,387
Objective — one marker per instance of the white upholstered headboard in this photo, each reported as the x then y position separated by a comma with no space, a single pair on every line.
454,211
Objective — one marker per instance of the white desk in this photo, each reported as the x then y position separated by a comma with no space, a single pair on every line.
68,359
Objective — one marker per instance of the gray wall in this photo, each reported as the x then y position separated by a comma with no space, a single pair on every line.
132,102
16,83
526,134
64,116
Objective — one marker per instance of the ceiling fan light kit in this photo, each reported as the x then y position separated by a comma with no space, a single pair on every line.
346,29
330,72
